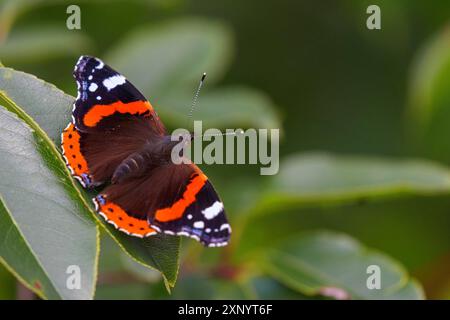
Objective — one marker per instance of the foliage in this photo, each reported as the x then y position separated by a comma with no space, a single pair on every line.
309,232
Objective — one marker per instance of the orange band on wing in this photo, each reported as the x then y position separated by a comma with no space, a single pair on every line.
98,112
71,150
177,209
118,217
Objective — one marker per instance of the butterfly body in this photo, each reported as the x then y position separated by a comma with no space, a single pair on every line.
117,140
152,154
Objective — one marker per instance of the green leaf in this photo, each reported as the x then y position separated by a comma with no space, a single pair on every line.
266,288
45,227
8,284
10,10
335,265
387,225
160,252
30,45
138,270
429,97
125,291
430,77
173,55
200,286
51,109
231,107
319,180
316,178
43,102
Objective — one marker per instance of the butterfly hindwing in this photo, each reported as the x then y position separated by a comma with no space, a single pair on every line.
173,199
122,219
74,158
203,219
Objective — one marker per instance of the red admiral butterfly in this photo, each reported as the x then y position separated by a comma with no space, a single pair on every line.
116,136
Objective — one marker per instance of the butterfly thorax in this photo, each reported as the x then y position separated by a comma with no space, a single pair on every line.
152,154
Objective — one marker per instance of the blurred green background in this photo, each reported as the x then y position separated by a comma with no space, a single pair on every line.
368,100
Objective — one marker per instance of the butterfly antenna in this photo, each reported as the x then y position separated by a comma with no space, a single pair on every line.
197,92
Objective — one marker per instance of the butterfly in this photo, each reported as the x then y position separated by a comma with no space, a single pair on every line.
117,140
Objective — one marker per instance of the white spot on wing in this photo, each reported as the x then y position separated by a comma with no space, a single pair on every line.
225,226
213,210
114,81
199,224
93,87
100,64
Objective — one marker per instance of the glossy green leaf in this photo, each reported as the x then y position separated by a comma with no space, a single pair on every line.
414,230
201,286
33,45
431,71
159,58
8,284
320,178
51,109
43,102
429,97
44,226
138,270
125,291
336,266
160,252
10,10
267,288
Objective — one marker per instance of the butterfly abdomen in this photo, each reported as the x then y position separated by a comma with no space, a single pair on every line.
151,155
133,165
